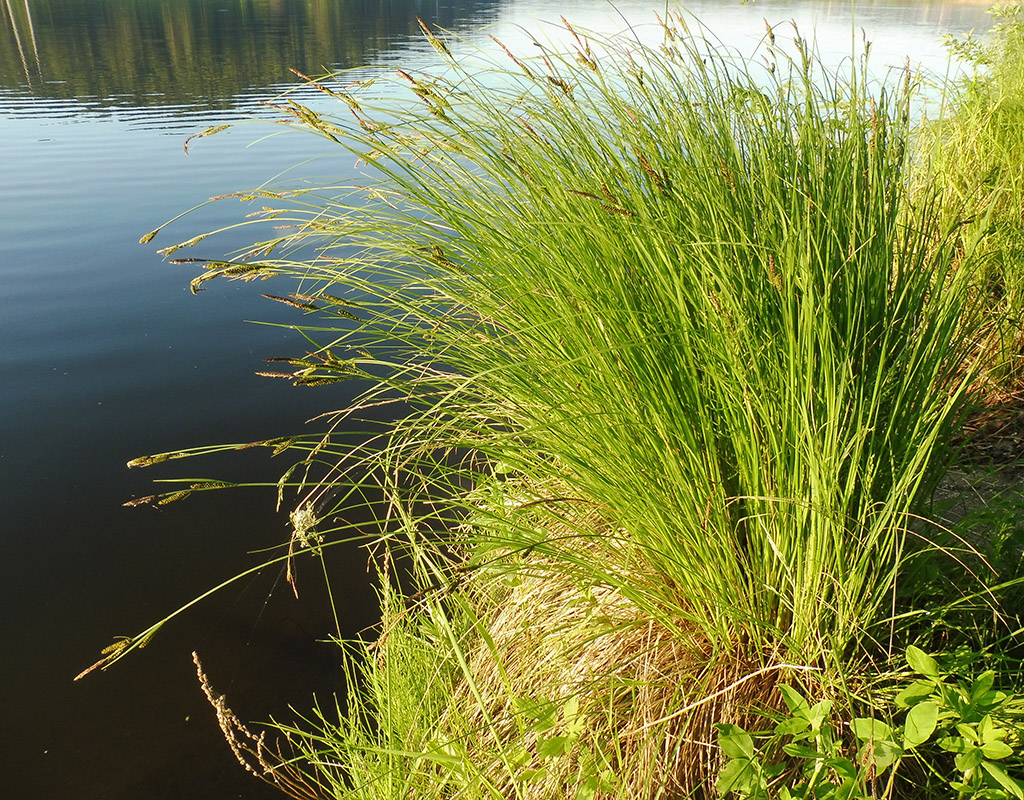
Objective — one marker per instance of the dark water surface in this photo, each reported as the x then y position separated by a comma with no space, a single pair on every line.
106,355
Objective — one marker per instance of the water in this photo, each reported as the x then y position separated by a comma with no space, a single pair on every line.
106,356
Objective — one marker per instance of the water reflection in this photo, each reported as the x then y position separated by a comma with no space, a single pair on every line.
17,40
130,58
196,53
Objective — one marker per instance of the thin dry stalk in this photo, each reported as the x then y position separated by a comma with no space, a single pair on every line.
252,751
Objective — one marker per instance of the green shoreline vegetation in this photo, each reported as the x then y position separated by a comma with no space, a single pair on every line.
685,347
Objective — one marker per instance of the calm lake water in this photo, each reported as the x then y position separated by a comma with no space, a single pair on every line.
106,356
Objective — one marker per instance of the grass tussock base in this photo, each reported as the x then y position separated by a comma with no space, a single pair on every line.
629,681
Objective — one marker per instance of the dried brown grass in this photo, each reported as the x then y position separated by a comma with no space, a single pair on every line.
649,694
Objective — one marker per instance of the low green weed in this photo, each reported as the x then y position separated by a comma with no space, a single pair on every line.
942,717
556,730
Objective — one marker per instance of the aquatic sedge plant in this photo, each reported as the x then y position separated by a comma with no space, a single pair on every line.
977,150
680,359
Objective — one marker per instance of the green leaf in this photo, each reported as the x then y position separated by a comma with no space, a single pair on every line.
886,753
545,719
843,767
915,693
954,744
987,729
792,726
969,733
920,724
823,791
773,771
969,759
996,750
921,662
571,708
738,776
1014,787
587,789
991,733
819,713
606,780
543,713
795,701
848,790
574,722
799,751
867,729
990,699
553,746
603,782
881,753
958,702
735,742
982,684
519,756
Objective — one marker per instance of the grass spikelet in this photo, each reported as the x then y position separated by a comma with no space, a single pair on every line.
291,301
208,485
318,380
335,300
139,501
244,744
172,497
196,284
166,251
437,43
280,445
247,271
141,461
159,458
117,646
207,132
515,60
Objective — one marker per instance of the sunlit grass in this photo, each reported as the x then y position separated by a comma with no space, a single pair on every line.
682,345
977,149
693,292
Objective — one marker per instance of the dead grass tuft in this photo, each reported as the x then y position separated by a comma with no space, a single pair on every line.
648,698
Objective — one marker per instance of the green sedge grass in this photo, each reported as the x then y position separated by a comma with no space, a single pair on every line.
678,344
976,147
695,291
